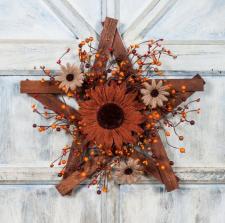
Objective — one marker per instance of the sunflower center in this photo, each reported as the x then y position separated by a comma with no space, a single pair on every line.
110,116
128,171
69,77
154,93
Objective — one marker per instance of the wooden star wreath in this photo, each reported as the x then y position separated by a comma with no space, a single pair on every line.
121,111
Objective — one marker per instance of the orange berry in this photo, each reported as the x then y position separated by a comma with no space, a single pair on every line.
104,189
162,167
63,161
86,159
167,133
157,115
53,126
182,150
63,106
183,87
145,162
70,94
148,126
83,174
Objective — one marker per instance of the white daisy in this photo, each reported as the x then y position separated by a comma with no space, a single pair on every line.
154,94
70,77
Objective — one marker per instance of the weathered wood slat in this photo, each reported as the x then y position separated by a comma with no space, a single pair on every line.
200,85
105,43
191,85
47,87
120,52
166,172
74,160
148,18
71,18
44,175
192,55
88,169
39,87
150,168
54,104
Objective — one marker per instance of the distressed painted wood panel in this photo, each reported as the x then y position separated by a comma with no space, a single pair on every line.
192,56
30,175
178,20
30,20
42,203
94,16
189,204
190,20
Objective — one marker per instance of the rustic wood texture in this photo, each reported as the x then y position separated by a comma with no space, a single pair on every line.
74,160
191,85
39,87
105,43
48,87
189,204
88,169
53,103
199,83
149,168
120,53
166,172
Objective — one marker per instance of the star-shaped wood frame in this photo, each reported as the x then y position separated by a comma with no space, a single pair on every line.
46,93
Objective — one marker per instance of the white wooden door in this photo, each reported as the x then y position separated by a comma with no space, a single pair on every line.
36,32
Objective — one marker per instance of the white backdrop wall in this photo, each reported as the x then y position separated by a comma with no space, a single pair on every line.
36,32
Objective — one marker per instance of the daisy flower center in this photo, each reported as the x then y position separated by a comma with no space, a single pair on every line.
110,116
154,93
128,171
69,77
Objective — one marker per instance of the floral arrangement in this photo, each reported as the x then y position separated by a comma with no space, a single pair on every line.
123,105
